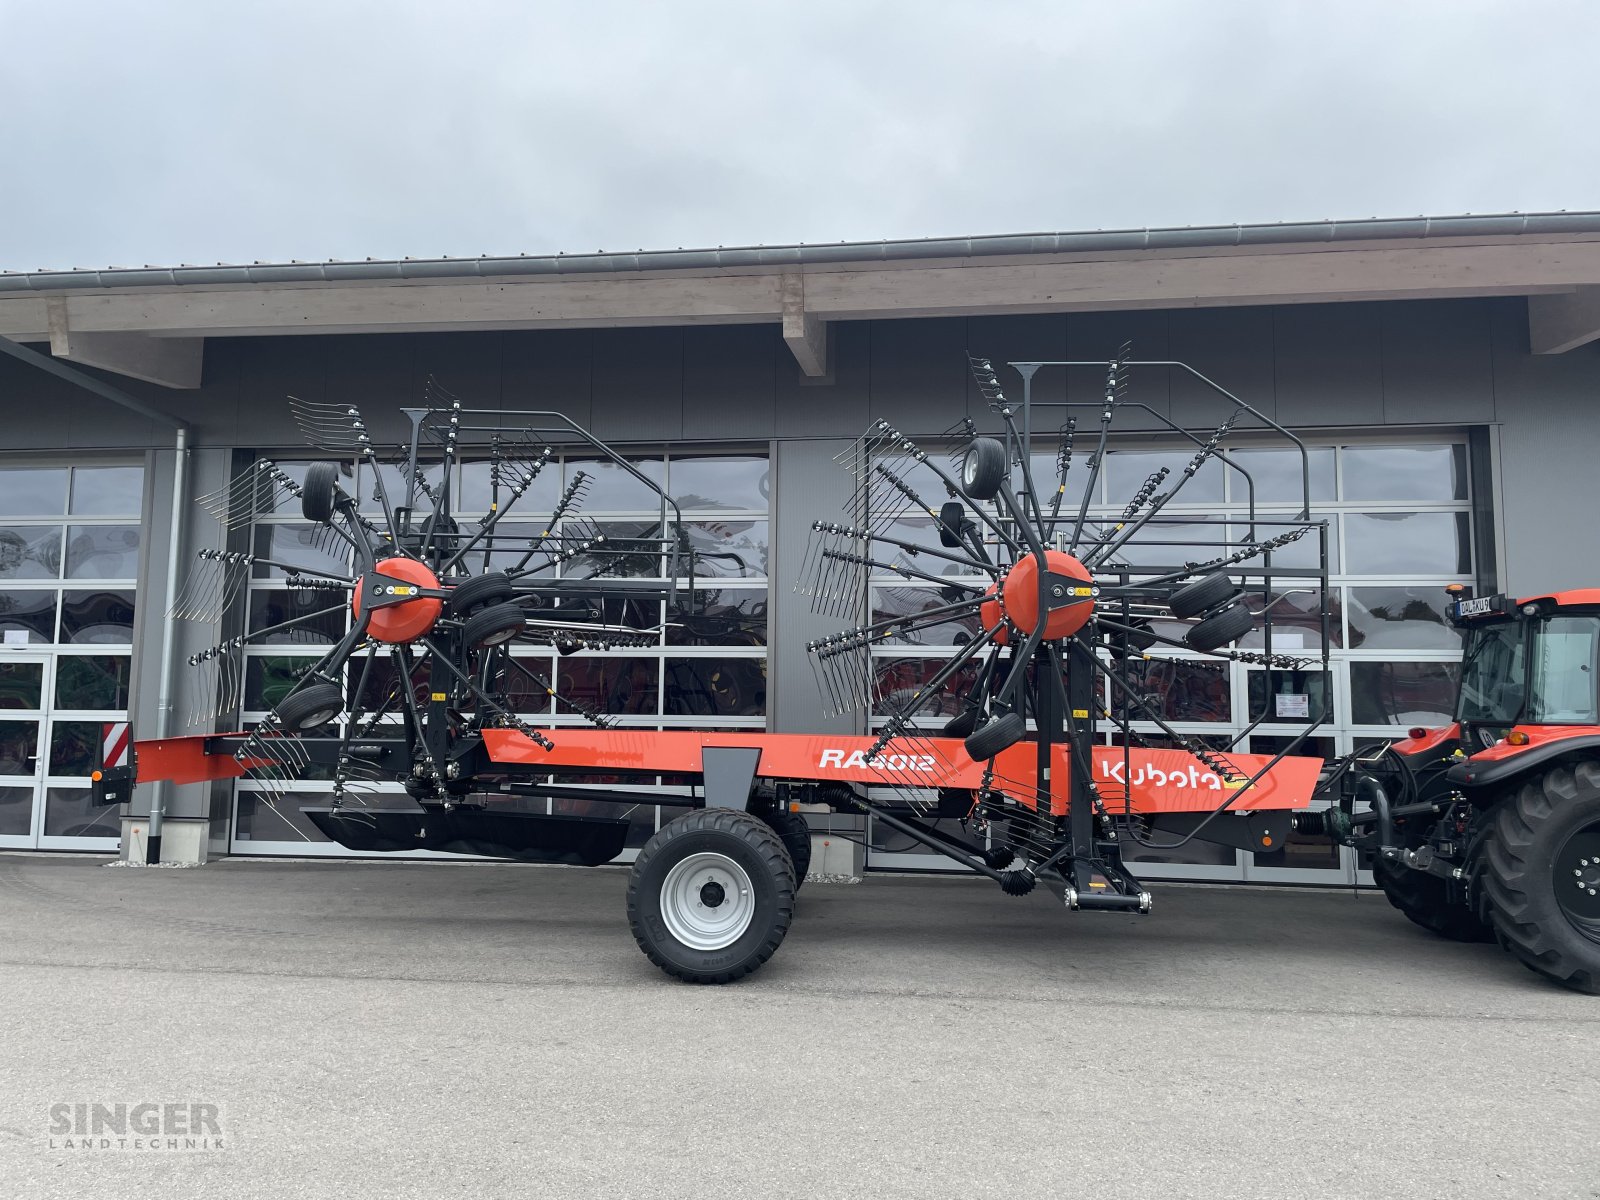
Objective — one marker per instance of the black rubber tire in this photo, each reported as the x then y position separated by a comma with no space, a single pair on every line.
490,626
1137,641
1521,854
1426,899
1219,629
994,736
952,516
795,835
493,588
983,469
746,841
316,493
963,724
310,707
1192,599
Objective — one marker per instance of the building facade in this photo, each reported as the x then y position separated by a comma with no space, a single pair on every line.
1445,389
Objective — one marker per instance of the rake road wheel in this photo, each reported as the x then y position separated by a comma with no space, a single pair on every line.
311,707
1427,900
316,493
1217,630
1192,599
984,469
493,588
991,738
795,835
962,724
1543,875
493,626
711,895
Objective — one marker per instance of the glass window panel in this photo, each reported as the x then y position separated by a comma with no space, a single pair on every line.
21,685
1407,543
1289,697
631,550
1304,551
612,489
728,549
1047,477
380,691
609,685
1168,542
1296,621
1127,470
508,547
1280,475
917,531
263,818
275,606
477,490
33,491
74,747
716,687
97,617
1174,689
896,680
1400,618
1405,472
892,603
93,681
267,680
723,617
71,812
30,612
108,491
303,547
527,681
102,551
16,811
1402,693
30,551
19,743
732,482
394,480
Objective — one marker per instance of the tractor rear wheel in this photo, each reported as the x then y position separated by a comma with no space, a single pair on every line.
1427,900
1542,872
711,895
795,835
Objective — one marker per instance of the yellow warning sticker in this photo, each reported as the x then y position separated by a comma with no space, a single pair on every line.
1081,713
439,697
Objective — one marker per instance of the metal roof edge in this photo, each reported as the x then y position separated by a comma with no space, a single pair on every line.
601,263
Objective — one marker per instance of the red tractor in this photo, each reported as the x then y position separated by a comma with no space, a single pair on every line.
1490,827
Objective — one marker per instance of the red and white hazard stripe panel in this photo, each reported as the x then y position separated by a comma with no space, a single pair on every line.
114,744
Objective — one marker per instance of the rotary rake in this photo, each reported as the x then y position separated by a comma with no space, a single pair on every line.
1029,753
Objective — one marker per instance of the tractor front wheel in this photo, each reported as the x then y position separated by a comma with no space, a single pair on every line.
1543,875
1428,901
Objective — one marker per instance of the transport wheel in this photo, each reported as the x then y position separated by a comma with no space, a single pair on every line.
711,895
952,514
988,740
493,625
984,469
1219,629
795,835
962,724
1192,599
316,493
469,594
311,708
1543,875
1427,900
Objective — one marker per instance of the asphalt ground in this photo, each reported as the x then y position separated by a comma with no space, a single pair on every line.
386,1029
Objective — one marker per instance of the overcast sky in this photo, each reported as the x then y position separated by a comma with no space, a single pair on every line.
226,130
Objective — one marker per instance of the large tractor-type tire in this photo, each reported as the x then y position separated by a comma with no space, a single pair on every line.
1426,899
711,895
795,835
1543,875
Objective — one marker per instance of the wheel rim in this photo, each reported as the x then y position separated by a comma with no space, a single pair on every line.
1577,881
707,901
321,717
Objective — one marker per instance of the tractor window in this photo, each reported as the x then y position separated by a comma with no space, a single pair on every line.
1564,660
1492,675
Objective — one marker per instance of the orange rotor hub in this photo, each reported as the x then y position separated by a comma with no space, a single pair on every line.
405,620
1068,595
989,613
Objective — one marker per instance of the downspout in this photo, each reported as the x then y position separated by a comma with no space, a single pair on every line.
176,532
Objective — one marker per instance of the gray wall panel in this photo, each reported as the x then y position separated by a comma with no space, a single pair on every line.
812,408
919,374
551,371
1231,346
1437,362
730,381
1328,364
638,385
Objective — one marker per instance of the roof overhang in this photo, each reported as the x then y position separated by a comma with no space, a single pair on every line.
151,324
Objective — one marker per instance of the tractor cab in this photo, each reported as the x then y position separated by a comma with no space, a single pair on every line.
1528,662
